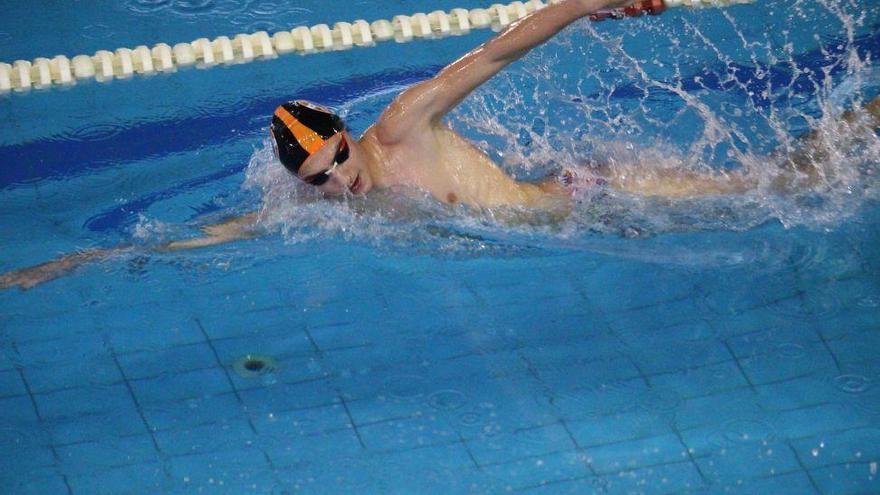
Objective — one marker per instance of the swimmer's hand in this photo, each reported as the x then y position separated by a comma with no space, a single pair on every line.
28,278
238,228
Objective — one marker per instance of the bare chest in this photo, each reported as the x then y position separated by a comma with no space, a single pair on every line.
454,171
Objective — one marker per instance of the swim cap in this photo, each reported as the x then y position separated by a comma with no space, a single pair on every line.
299,129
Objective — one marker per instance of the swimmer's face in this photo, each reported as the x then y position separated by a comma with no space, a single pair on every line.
338,167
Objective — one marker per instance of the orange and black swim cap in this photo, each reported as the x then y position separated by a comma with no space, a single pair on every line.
299,129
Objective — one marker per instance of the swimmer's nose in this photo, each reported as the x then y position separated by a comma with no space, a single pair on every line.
339,178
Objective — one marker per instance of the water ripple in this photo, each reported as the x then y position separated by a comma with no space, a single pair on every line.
263,25
185,8
801,256
447,399
660,400
405,386
265,7
470,418
808,306
95,132
599,400
790,350
147,6
192,7
871,301
743,431
852,383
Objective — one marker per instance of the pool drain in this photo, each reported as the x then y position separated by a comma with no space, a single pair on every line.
253,365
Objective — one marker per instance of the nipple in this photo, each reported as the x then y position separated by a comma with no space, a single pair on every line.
451,198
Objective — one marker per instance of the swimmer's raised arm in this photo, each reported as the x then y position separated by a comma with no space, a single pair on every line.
426,103
237,228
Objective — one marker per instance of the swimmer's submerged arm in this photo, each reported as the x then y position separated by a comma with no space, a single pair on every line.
427,102
237,228
233,229
806,160
27,278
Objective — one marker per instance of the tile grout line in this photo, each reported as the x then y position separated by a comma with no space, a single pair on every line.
220,365
838,431
134,399
639,369
351,420
551,483
830,351
735,359
201,396
165,469
40,420
689,454
574,419
480,300
468,450
624,345
604,475
804,468
311,339
520,347
320,355
577,447
414,448
30,394
739,366
236,393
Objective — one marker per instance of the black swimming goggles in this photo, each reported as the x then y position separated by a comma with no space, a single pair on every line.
342,153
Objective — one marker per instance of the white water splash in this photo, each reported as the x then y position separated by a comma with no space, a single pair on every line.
700,92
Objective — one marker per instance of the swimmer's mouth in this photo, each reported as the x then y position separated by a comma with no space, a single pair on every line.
355,186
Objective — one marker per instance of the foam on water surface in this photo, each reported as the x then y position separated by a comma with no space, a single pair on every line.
711,95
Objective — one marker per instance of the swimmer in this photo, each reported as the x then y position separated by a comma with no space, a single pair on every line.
410,145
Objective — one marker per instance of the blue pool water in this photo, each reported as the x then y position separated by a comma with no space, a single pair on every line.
720,345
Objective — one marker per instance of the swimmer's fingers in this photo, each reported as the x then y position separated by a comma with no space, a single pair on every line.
227,232
7,281
213,230
235,227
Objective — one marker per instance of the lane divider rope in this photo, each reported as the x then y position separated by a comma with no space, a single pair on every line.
123,63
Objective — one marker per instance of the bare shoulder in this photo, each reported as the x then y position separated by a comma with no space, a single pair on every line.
406,116
390,128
